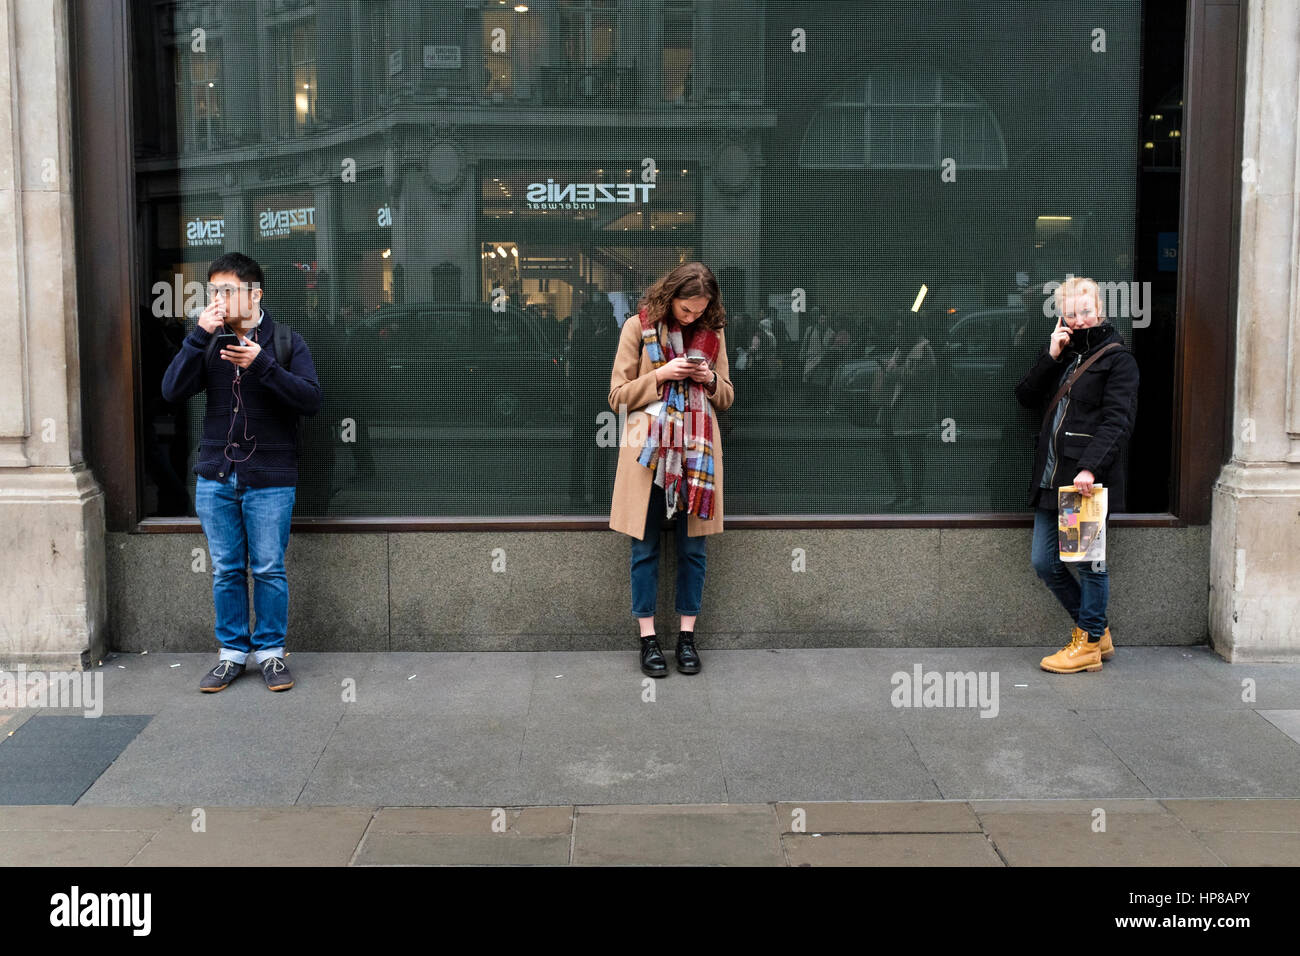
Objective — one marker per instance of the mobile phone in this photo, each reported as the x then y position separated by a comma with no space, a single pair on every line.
227,340
696,359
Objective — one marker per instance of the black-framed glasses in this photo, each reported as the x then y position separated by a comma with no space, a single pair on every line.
226,290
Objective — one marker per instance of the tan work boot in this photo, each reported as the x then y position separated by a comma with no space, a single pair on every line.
1107,647
1076,656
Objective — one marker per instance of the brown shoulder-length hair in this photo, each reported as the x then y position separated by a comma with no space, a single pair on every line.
685,282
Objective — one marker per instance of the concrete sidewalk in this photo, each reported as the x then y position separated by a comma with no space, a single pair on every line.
921,833
1193,760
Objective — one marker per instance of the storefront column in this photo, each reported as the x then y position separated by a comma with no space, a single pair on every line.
433,214
1254,561
53,605
733,195
327,231
238,229
453,240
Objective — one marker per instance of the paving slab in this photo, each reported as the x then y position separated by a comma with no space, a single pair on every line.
792,682
719,835
78,848
1271,816
922,816
890,849
216,757
431,761
474,821
840,755
442,849
1069,839
46,818
149,683
1202,753
577,684
1022,687
659,756
1024,757
1109,804
1287,721
1153,679
1244,848
446,684
157,682
261,836
1274,685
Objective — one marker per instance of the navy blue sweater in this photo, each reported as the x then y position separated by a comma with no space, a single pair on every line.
273,398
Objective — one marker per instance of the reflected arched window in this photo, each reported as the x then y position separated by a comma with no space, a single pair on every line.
903,120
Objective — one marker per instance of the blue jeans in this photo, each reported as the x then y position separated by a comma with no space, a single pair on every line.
645,562
244,524
1085,599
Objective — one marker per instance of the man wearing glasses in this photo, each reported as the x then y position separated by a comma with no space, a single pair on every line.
248,462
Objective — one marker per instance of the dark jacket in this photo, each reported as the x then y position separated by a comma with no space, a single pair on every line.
273,398
1100,411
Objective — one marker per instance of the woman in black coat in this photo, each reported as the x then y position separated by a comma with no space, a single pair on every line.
1083,440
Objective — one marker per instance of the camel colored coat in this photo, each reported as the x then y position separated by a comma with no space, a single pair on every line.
632,384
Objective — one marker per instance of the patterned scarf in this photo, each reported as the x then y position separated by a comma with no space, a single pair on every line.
679,446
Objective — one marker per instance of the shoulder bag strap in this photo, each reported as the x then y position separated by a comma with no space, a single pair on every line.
1060,393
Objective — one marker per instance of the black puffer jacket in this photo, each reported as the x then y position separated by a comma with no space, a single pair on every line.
1100,411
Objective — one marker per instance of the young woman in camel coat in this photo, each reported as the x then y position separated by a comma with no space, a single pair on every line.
685,296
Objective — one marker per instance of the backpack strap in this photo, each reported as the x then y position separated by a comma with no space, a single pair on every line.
283,344
1060,393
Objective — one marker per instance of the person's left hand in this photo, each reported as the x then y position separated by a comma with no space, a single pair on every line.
241,355
702,373
1084,481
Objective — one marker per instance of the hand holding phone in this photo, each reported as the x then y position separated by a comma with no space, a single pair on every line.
1060,338
227,340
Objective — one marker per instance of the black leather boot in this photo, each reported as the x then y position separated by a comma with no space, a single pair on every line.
652,658
688,660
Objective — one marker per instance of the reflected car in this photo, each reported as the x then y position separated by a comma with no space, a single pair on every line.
980,343
458,362
851,389
971,368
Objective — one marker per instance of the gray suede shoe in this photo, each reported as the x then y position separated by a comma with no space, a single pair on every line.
219,677
276,674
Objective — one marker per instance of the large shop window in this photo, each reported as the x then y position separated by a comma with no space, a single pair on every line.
457,205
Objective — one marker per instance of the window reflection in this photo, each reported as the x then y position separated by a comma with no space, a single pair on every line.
458,205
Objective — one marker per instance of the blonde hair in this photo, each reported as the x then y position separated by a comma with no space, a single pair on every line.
1074,286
